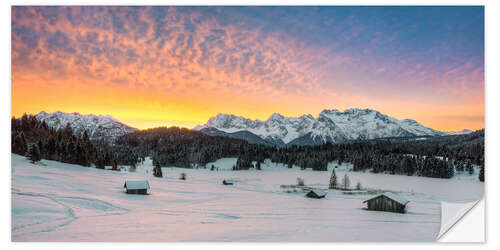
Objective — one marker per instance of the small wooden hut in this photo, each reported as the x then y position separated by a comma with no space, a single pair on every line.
227,182
136,187
316,193
388,202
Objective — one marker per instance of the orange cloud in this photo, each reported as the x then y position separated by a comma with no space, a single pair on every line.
179,67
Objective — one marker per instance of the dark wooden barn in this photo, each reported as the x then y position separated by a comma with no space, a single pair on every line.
136,187
227,182
388,202
316,193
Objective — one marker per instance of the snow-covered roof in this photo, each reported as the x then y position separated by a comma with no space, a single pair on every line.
391,196
318,192
136,185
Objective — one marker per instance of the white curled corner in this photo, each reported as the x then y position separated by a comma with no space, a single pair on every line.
451,213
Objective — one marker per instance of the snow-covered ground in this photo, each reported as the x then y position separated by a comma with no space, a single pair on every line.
63,202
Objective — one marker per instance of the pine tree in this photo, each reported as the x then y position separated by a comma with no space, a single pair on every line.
243,163
99,163
67,131
70,152
41,148
481,173
19,144
470,169
157,170
14,124
34,153
358,186
333,180
114,164
24,122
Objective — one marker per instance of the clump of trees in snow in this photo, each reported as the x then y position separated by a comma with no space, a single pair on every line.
59,145
34,153
346,182
437,157
429,166
185,148
157,170
244,162
358,186
258,166
433,157
481,173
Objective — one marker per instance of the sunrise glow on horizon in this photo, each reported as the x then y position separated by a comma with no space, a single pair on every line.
179,66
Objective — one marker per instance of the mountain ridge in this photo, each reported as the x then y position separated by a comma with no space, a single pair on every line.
329,126
98,127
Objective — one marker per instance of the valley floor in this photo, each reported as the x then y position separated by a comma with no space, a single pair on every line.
61,202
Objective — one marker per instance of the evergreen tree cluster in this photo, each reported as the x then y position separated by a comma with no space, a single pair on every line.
34,153
401,164
186,148
433,157
36,140
481,173
244,162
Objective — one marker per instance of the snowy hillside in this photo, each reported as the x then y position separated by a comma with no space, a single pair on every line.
63,202
329,126
97,126
461,132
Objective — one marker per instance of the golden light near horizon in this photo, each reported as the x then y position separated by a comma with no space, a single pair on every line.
165,66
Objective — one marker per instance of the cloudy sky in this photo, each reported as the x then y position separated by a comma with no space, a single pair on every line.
154,66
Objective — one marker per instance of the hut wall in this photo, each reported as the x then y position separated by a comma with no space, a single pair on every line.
385,204
137,191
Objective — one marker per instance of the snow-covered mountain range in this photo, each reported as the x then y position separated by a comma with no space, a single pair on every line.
330,126
461,132
97,126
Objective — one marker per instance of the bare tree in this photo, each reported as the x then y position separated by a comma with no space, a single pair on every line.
300,181
346,182
358,186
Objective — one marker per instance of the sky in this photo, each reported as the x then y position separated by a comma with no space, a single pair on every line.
179,66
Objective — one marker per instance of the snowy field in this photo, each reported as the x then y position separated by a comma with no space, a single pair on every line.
61,202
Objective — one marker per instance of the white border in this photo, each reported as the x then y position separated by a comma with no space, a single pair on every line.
470,228
492,17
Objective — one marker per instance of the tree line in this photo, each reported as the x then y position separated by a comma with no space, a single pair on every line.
37,140
436,157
